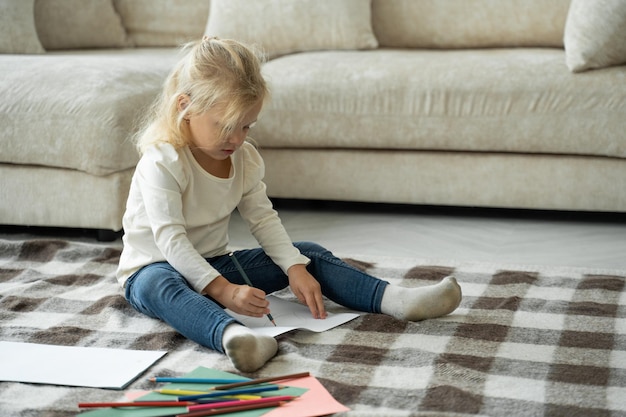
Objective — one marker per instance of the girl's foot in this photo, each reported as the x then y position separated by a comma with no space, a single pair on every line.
248,351
421,303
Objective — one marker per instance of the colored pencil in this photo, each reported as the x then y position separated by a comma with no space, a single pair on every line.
242,397
223,399
223,393
245,277
195,380
226,404
215,412
262,380
179,392
138,404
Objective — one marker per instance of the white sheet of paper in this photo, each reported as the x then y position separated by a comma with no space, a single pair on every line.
291,316
72,365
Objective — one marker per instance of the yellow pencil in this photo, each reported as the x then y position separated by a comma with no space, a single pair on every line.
179,392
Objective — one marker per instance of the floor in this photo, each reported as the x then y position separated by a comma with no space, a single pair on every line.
594,240
497,236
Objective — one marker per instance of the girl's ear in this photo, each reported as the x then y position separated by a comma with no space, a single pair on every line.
183,102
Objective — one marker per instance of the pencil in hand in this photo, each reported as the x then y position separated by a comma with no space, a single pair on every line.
245,278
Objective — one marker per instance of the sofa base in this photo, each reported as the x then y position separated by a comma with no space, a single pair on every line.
497,180
53,197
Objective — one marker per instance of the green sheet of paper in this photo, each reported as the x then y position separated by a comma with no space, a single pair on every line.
199,372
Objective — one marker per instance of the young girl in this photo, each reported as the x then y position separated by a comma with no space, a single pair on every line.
196,168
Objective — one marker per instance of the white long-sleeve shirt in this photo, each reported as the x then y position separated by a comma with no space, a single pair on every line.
179,213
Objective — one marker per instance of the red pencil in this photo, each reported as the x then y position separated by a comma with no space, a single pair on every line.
139,404
198,407
214,412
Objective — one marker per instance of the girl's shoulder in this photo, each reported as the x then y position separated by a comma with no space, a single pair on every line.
163,159
252,165
250,154
161,152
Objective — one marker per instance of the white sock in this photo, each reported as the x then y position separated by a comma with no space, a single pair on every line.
421,303
248,351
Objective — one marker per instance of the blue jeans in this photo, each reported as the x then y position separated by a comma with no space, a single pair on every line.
159,291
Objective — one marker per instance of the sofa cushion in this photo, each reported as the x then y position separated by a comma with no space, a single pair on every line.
469,23
595,34
285,26
163,22
17,28
494,100
78,110
73,24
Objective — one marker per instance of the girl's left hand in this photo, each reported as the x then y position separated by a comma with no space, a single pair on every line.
307,289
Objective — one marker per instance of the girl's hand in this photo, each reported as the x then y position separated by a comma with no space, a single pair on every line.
242,299
307,289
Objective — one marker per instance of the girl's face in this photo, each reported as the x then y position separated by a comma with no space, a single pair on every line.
205,130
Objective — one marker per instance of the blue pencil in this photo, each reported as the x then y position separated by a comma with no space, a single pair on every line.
196,380
224,393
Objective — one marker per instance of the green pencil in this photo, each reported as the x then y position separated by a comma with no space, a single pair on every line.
245,278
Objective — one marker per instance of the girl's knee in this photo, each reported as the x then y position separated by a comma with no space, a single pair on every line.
155,280
319,256
312,249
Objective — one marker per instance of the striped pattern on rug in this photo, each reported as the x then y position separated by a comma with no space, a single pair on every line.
524,342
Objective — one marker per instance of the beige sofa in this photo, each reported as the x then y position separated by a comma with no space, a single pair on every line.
491,103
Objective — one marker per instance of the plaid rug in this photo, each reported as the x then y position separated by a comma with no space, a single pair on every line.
524,342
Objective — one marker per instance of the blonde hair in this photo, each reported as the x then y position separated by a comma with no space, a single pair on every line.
212,71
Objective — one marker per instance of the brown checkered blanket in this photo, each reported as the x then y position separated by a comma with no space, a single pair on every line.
524,342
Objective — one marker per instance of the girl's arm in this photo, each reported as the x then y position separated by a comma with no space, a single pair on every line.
273,238
263,221
261,218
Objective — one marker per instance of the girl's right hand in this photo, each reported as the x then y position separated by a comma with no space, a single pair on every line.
242,299
248,301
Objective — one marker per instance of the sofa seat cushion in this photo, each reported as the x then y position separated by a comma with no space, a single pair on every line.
496,100
78,109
